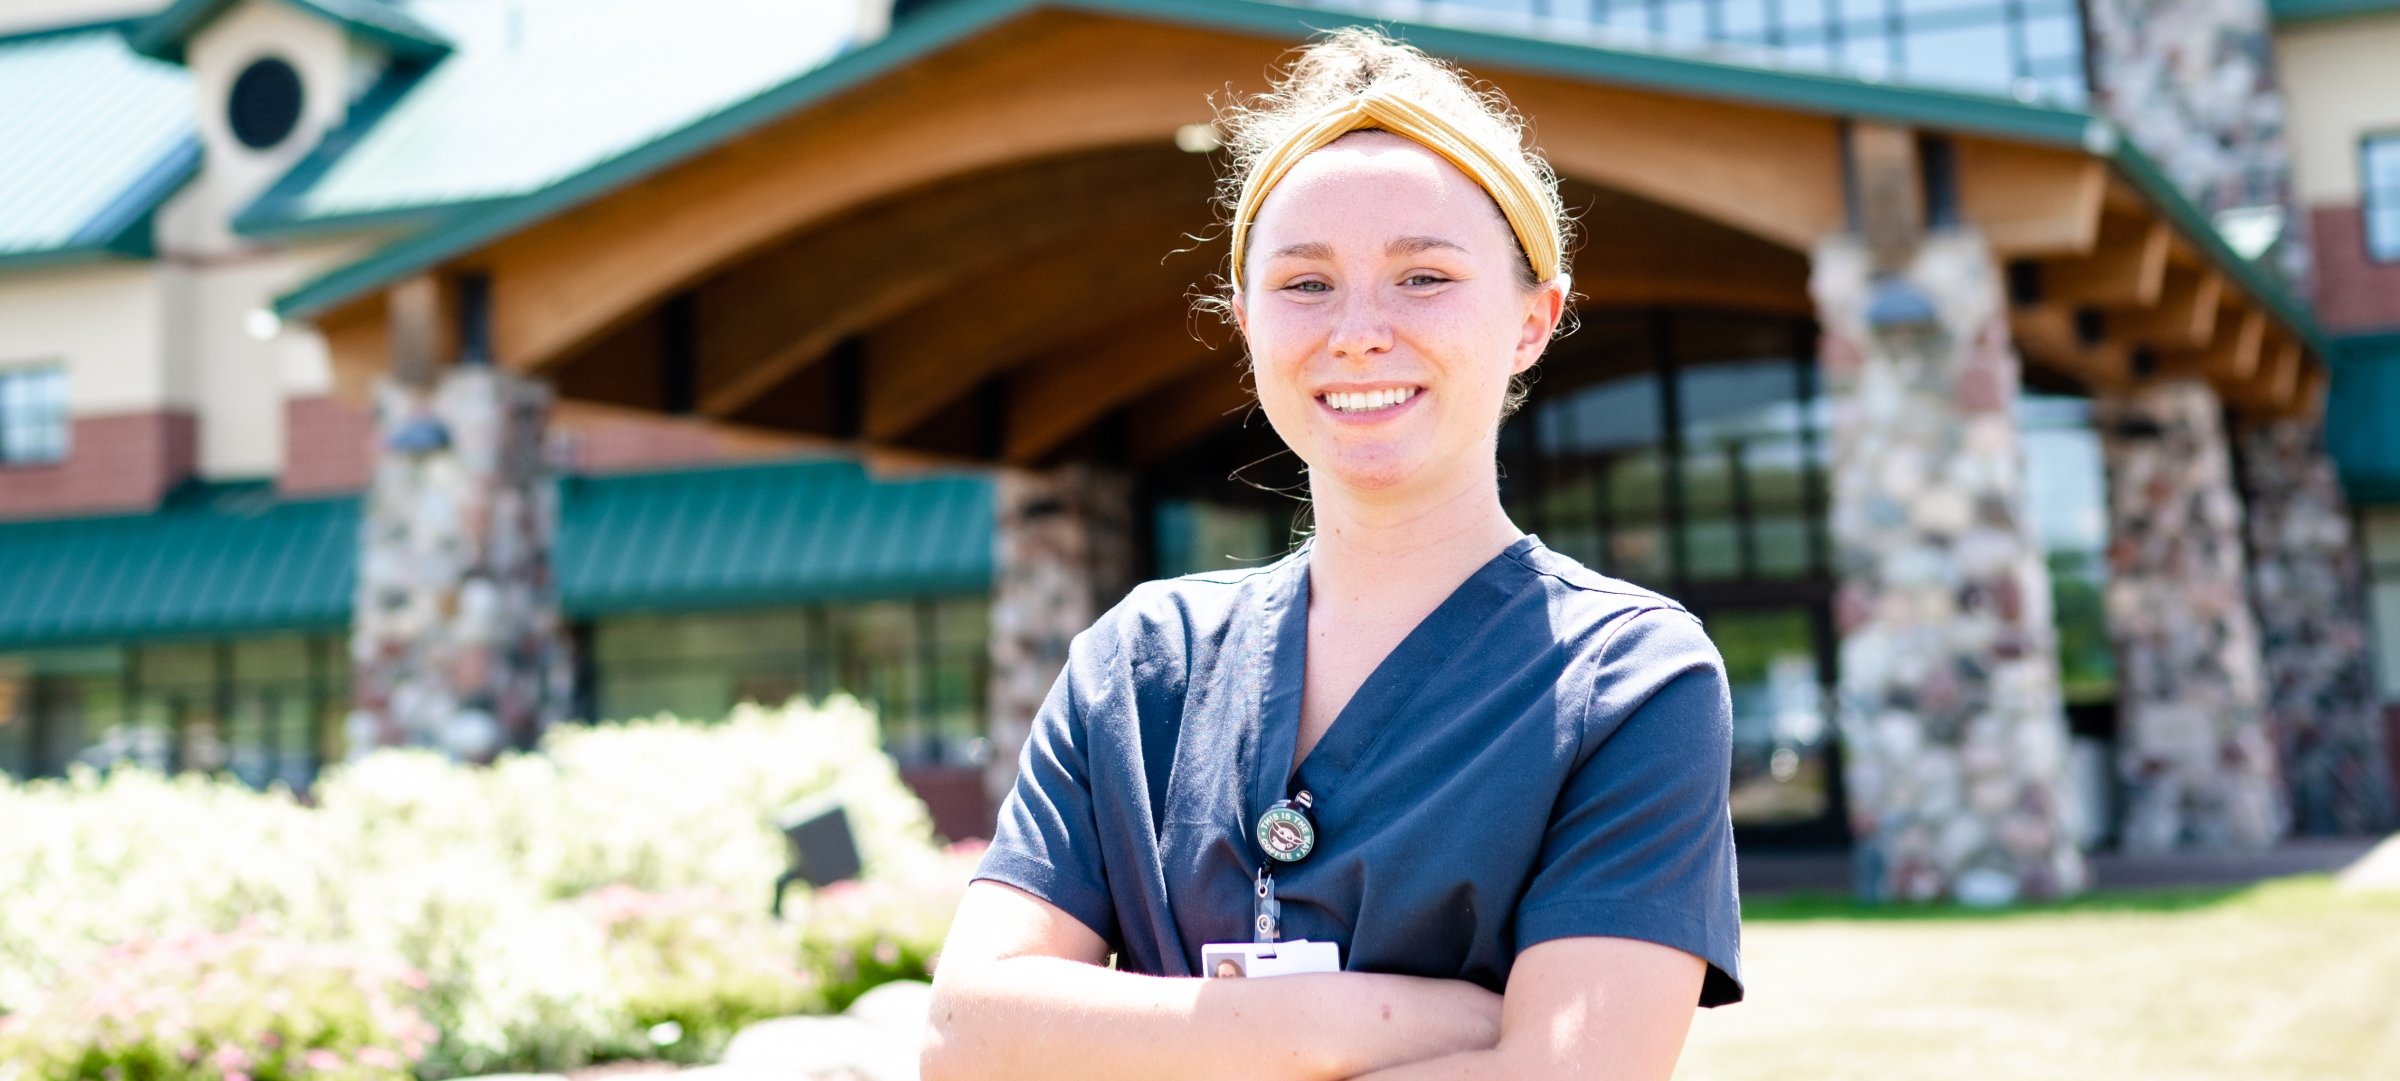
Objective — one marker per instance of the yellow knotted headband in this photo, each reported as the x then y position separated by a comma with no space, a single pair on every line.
1510,181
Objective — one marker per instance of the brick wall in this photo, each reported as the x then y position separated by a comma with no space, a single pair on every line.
329,446
123,463
2354,293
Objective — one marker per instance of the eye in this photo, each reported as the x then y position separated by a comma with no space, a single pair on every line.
1423,279
1309,286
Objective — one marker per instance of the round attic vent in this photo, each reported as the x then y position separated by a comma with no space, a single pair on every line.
265,104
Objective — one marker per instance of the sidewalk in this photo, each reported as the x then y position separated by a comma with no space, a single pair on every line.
1828,870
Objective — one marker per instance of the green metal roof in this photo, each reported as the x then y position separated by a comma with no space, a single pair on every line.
913,39
233,558
92,139
162,35
2285,12
540,90
2358,416
215,559
769,534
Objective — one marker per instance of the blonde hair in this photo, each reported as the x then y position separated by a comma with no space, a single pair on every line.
1354,66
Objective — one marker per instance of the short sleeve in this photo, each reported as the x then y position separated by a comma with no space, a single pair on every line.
1640,843
1047,840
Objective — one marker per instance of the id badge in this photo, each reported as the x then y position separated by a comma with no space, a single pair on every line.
1241,959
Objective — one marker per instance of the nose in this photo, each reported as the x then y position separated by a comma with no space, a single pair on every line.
1361,326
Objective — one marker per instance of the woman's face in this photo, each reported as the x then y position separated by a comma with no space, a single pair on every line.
1385,312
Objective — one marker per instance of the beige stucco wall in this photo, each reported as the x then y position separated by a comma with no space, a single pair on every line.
2341,80
105,323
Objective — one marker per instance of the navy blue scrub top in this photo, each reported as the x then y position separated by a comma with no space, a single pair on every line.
1546,755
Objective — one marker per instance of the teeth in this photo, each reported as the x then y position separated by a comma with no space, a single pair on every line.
1367,401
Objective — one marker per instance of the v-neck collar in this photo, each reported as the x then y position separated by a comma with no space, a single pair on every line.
1439,637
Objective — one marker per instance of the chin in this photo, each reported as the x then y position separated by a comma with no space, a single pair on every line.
1379,469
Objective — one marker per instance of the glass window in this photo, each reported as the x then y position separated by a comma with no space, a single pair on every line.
16,718
33,415
177,723
2024,48
919,664
1742,458
1195,535
1781,771
2379,195
2066,496
2381,539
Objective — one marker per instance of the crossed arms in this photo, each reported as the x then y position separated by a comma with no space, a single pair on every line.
1020,993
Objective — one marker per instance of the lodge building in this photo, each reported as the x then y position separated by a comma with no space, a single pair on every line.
2001,383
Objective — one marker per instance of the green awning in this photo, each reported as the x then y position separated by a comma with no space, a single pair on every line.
2359,412
216,559
233,558
769,534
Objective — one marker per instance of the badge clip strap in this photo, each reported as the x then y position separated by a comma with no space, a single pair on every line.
1286,834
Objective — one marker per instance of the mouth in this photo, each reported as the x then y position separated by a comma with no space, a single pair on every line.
1368,402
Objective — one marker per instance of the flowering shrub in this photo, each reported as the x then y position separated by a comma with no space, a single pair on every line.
870,932
240,1006
603,898
697,965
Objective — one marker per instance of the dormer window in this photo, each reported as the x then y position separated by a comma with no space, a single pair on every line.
264,106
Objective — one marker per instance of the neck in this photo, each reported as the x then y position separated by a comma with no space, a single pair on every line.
1396,551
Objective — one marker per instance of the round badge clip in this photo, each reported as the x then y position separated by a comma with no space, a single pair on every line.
1285,831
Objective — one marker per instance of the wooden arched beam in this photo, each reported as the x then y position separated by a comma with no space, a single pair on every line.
1029,93
768,317
919,365
1051,399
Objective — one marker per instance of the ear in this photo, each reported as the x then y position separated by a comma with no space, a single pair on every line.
1545,305
1241,313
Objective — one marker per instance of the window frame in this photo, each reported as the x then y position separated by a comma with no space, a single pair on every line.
2368,193
64,417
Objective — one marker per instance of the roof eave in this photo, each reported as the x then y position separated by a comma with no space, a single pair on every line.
2297,12
161,36
2146,177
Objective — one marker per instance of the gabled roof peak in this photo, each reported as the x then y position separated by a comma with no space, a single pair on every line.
378,21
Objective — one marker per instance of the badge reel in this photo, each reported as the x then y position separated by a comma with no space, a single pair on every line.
1287,835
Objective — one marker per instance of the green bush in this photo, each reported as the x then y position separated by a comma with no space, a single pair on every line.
592,901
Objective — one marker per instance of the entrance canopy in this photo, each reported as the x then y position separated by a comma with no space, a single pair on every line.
977,238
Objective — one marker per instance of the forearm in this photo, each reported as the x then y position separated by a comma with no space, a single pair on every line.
1048,1017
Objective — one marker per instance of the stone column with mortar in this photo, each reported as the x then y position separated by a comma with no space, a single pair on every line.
2192,746
2308,589
1954,732
1063,554
456,641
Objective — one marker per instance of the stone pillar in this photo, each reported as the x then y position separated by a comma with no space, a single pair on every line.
2309,593
456,640
1063,553
1954,735
2192,743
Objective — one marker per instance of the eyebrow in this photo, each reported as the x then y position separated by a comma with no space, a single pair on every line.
1400,246
1418,245
1314,249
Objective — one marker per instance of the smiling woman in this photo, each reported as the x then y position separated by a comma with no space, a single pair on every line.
1466,798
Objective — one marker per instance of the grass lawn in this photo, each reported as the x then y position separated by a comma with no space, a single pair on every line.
2287,979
